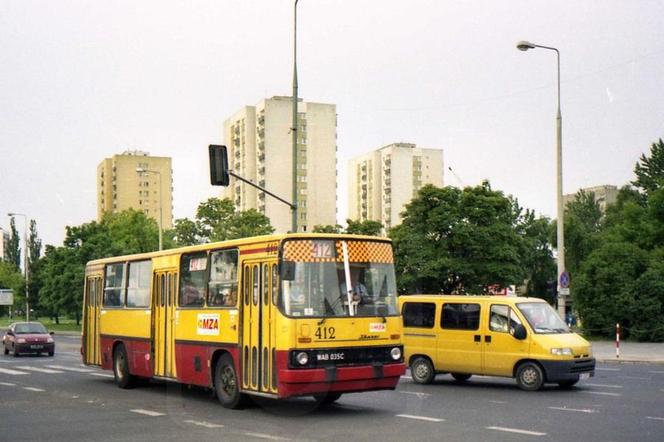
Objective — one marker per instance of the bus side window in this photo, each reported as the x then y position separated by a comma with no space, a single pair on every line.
193,274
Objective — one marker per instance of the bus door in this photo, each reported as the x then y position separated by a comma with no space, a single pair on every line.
163,319
92,309
252,326
267,359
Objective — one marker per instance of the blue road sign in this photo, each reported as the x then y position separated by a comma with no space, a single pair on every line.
564,280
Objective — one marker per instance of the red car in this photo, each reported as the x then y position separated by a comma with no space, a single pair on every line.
28,337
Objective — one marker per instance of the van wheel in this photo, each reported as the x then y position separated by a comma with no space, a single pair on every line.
461,377
123,378
226,384
529,376
422,370
568,384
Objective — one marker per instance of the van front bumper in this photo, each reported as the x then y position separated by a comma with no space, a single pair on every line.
568,370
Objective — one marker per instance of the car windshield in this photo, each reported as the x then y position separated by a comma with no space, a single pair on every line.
338,287
542,318
24,329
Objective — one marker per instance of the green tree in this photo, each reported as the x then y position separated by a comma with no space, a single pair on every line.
648,313
217,220
367,227
536,257
247,223
320,228
454,240
13,251
186,232
34,253
649,170
11,278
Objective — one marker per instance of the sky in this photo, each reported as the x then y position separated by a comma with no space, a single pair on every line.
81,81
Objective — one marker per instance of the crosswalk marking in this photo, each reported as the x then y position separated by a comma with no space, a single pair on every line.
421,418
7,384
517,431
147,412
39,369
204,424
33,389
75,369
102,375
11,372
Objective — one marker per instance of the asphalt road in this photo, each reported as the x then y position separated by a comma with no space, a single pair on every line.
58,399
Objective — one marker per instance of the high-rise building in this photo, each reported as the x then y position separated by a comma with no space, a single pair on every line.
259,142
604,195
382,182
4,240
121,186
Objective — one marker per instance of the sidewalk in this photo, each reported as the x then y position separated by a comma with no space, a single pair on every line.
605,351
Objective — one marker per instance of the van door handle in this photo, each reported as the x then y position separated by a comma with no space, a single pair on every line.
478,338
487,338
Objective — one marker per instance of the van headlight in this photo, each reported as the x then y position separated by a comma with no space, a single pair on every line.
562,351
395,353
302,358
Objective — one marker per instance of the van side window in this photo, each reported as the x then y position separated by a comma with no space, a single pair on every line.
419,314
459,316
498,318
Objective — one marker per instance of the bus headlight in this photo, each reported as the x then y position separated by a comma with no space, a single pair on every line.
395,353
302,358
561,351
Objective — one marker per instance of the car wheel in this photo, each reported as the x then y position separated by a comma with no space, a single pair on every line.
226,385
568,384
422,370
123,378
461,377
529,376
327,398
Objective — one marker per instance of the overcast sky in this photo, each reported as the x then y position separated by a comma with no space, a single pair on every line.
83,80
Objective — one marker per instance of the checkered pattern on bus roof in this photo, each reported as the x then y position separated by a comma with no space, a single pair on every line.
358,251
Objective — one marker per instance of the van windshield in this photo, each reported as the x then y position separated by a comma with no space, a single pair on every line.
542,318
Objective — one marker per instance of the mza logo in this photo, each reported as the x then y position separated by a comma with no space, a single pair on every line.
208,324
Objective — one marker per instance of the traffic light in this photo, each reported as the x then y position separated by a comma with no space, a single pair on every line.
552,291
219,165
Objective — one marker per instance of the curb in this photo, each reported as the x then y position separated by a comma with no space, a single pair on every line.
628,361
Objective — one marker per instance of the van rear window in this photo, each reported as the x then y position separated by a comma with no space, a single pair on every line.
419,314
459,316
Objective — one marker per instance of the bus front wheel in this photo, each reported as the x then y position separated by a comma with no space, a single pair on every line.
123,378
226,384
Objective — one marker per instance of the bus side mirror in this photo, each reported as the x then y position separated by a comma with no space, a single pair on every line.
219,165
287,270
519,332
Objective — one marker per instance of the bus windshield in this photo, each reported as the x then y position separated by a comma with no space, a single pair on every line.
321,289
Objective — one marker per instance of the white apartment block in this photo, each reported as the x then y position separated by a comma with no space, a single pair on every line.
382,182
259,142
604,195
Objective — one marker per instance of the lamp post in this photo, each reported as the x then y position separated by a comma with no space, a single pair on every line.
141,170
560,225
294,121
25,263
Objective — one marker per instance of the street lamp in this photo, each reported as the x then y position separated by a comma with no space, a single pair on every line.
141,170
25,263
560,225
294,121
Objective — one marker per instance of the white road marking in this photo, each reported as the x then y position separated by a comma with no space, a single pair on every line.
576,410
147,412
421,418
602,393
416,393
39,370
602,385
11,372
516,430
265,436
75,369
498,402
606,369
33,389
655,418
656,372
102,375
638,378
7,384
204,424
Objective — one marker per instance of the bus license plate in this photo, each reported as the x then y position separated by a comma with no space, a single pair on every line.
331,356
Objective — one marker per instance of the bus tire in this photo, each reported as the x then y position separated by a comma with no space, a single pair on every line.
529,376
327,398
123,378
421,370
226,385
461,377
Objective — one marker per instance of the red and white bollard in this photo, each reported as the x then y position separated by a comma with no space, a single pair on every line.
617,340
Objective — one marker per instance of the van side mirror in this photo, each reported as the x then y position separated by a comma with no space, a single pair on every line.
287,270
519,332
218,165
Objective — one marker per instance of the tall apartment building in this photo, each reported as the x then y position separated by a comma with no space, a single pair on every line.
259,144
382,182
121,187
604,195
4,240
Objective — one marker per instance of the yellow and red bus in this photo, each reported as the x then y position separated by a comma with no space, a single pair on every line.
277,316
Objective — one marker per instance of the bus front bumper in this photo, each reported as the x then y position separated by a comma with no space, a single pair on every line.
343,379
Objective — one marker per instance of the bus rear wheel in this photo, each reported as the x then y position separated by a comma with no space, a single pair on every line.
123,378
327,398
226,385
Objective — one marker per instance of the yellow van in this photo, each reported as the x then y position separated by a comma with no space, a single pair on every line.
522,338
